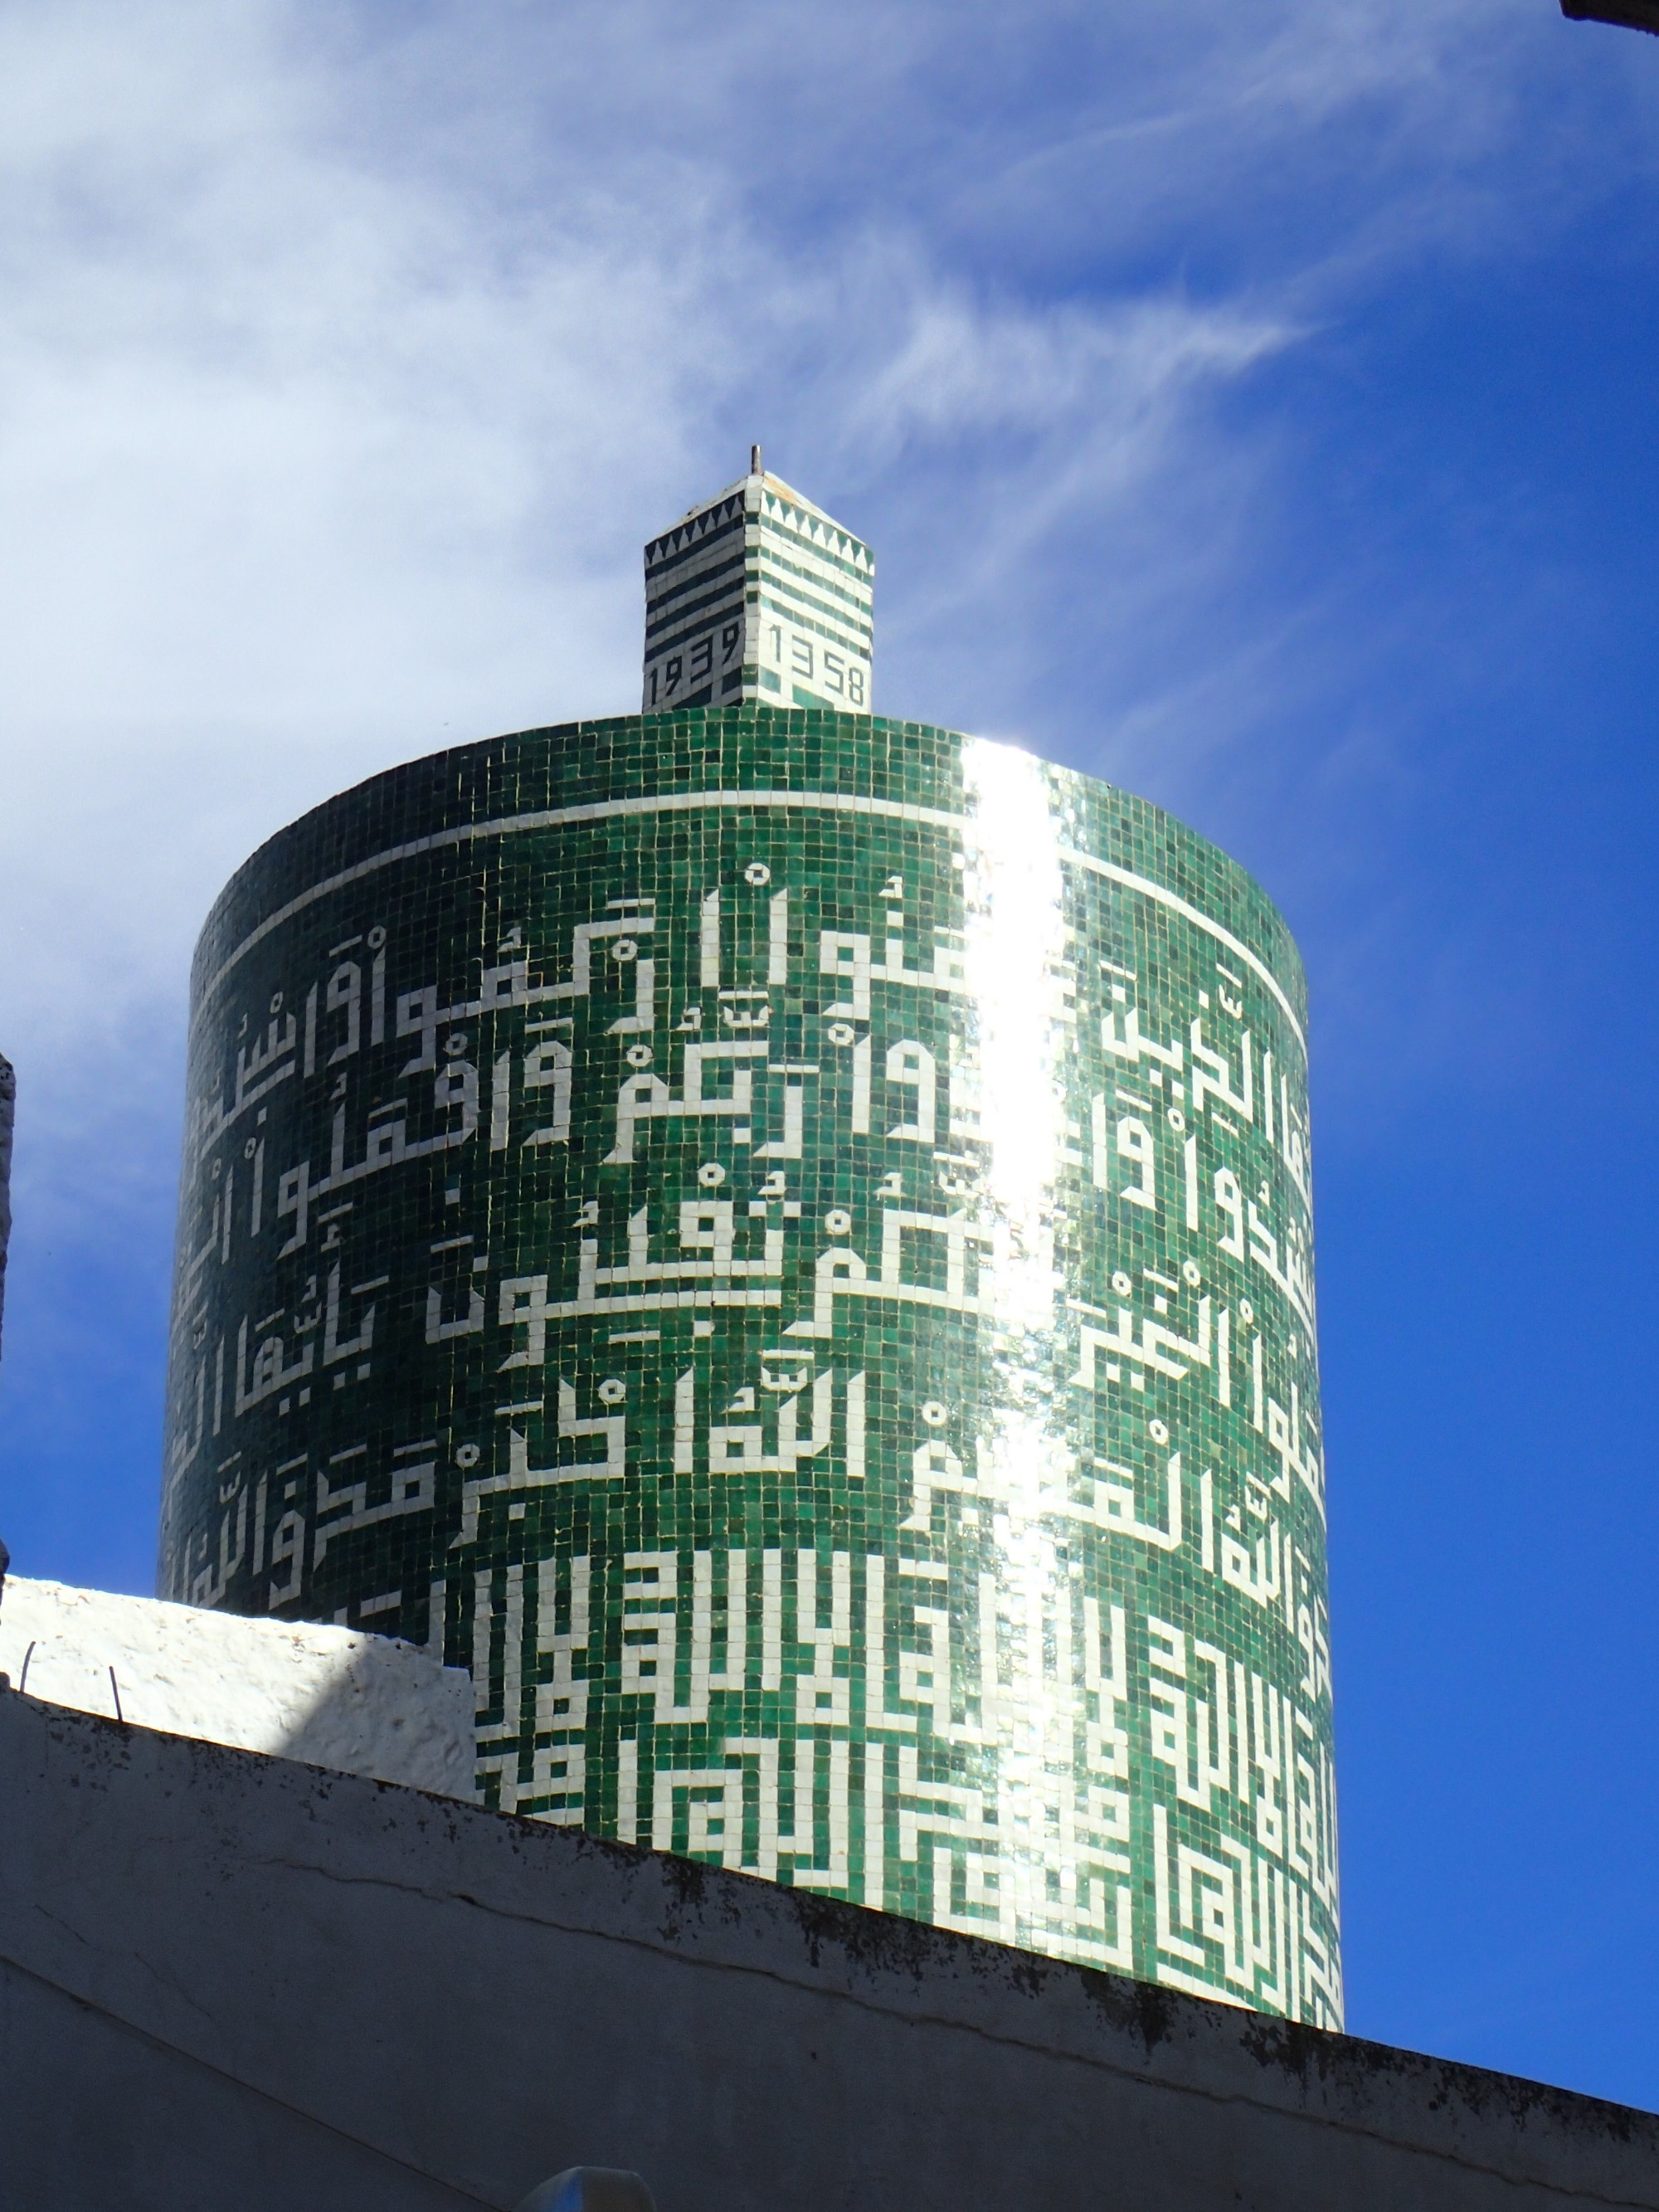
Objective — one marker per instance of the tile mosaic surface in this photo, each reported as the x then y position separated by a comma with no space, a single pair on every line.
782,1240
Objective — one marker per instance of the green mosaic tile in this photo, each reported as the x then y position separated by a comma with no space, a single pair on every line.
782,1241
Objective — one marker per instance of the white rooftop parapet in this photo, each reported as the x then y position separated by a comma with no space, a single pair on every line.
329,1697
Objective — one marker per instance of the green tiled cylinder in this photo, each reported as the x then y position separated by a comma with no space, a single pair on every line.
782,1241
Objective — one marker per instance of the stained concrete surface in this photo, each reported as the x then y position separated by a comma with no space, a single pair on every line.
231,1980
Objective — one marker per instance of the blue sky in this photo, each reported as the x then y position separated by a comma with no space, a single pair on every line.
1254,406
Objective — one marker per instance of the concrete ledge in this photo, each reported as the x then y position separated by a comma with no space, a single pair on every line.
331,1696
229,1979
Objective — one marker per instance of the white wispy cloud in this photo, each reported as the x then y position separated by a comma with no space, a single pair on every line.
317,453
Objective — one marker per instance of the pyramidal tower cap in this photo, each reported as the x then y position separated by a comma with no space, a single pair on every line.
757,596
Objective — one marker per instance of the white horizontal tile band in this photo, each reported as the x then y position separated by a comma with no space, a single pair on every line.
684,802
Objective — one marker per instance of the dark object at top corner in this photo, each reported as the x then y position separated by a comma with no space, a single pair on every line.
1629,15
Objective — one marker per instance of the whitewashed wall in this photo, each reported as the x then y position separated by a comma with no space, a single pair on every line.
331,1696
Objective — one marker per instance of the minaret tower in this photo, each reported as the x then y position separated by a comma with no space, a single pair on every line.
782,1240
757,596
